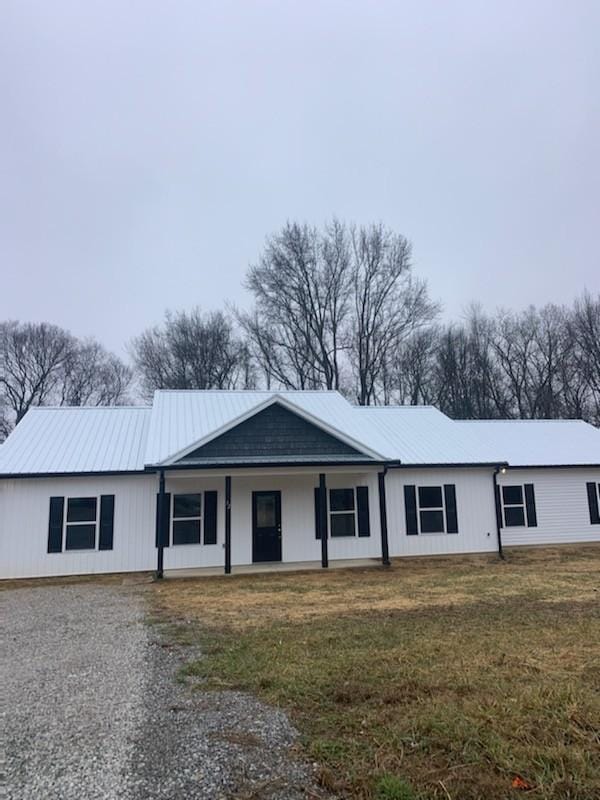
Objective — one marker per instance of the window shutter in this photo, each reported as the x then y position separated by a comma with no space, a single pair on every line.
210,517
107,519
530,506
592,493
55,524
450,502
362,502
317,513
410,507
162,526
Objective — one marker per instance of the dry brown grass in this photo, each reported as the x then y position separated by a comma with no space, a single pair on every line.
455,675
247,601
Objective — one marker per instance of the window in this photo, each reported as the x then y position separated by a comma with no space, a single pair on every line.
342,512
82,520
187,519
518,505
514,506
430,509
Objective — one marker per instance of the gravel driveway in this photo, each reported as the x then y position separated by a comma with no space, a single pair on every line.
92,709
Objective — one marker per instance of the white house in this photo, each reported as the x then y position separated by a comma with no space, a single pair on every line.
226,480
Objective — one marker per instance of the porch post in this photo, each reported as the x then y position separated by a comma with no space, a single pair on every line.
160,516
227,524
385,549
323,519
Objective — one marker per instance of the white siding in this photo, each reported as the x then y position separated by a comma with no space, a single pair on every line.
24,510
561,506
297,519
475,507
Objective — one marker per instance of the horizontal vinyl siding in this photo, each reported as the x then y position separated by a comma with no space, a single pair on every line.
24,510
561,503
475,508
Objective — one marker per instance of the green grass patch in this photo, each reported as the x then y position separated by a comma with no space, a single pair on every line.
398,694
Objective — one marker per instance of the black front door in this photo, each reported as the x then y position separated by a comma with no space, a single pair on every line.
266,526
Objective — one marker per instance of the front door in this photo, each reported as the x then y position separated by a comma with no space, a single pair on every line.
266,526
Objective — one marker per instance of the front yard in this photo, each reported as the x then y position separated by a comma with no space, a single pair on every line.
451,678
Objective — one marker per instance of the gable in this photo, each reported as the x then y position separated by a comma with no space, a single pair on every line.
275,433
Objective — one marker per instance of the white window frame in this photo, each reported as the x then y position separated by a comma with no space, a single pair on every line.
522,504
331,513
441,508
88,522
198,519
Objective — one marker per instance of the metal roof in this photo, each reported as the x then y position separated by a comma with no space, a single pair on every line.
419,435
183,420
529,443
85,439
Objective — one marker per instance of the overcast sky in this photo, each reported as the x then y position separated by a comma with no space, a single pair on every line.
147,148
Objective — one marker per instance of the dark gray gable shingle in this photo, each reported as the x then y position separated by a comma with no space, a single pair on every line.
273,432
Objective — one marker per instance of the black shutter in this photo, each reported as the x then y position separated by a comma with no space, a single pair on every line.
210,517
107,519
450,501
592,493
410,507
317,513
530,506
362,502
162,526
55,524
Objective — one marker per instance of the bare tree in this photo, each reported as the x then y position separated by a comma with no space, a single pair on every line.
389,304
586,333
192,351
409,378
92,376
5,426
32,357
42,364
332,307
301,288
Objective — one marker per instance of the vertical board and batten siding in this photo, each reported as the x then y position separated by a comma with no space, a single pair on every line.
475,510
297,519
563,514
24,517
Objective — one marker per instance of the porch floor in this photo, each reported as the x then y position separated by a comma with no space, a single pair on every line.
279,566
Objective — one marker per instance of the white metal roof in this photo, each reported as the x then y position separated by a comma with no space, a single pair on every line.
73,440
183,420
419,435
58,440
536,442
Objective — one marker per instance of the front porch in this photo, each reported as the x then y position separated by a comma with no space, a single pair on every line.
268,519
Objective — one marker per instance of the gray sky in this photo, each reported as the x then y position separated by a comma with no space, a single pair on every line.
147,148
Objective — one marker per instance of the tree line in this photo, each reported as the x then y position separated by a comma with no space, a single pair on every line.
337,307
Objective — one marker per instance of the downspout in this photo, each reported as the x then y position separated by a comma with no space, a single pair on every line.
498,513
323,520
227,524
385,549
160,517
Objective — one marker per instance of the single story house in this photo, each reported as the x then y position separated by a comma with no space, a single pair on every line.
238,480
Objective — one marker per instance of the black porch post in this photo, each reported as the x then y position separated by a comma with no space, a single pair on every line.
228,524
498,512
385,549
160,517
323,519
